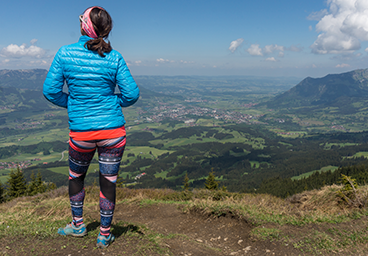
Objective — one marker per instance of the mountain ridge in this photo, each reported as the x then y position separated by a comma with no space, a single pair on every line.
325,90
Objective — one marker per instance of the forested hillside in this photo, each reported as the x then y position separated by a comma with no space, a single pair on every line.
192,126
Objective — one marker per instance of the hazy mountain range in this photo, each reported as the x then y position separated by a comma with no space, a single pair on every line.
324,91
309,92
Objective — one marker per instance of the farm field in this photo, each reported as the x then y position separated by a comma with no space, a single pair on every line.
195,126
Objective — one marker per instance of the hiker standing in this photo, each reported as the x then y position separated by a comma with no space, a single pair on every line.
91,70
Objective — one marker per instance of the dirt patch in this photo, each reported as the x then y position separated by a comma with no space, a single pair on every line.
159,229
195,233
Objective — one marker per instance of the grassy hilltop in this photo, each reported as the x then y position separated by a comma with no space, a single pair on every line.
198,222
261,138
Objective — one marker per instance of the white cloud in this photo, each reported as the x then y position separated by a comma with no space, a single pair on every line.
317,15
14,50
235,44
273,47
342,65
161,60
342,27
186,62
34,41
255,50
272,59
294,48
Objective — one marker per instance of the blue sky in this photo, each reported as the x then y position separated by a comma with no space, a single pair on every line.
202,37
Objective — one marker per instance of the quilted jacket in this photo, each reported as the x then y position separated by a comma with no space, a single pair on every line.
91,100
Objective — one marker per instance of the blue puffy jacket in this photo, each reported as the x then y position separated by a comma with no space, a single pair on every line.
91,79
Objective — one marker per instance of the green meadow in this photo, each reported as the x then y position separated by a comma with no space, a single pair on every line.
307,174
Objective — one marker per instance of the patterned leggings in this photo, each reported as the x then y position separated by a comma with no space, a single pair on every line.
110,152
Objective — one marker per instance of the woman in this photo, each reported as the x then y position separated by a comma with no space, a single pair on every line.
91,69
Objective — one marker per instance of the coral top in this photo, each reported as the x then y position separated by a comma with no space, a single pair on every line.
98,135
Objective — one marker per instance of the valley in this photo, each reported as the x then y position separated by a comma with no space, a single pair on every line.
194,125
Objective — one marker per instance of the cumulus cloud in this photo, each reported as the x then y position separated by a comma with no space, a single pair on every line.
255,50
273,47
17,51
342,27
235,44
161,60
272,59
317,15
186,62
343,65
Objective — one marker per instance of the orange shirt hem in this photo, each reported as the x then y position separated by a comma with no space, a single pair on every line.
98,135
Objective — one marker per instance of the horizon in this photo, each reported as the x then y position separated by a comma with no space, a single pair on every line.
200,38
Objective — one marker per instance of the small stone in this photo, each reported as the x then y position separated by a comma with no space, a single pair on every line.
225,239
247,248
199,240
268,250
239,242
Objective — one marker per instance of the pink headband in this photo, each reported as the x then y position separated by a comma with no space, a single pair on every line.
87,23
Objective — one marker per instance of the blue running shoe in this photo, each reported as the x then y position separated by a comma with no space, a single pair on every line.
71,230
103,241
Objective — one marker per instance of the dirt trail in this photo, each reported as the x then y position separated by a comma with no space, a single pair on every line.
185,234
197,234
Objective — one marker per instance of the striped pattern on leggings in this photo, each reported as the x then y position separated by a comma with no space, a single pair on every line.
110,152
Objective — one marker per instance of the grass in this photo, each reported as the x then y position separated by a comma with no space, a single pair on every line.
307,174
315,222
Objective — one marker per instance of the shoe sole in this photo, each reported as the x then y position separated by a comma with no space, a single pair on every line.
102,246
79,235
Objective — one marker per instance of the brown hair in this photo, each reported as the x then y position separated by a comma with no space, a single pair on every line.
102,24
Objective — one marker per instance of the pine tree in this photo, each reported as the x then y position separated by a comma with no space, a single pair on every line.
120,182
36,185
17,185
1,193
31,188
51,186
186,182
41,186
211,183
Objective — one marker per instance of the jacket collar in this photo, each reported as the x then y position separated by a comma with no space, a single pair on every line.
84,39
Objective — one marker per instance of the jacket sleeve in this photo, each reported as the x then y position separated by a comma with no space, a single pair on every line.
53,85
127,86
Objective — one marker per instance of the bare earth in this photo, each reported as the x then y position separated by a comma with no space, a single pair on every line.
181,233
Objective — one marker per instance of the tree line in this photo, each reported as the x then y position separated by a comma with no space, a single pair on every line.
284,187
17,185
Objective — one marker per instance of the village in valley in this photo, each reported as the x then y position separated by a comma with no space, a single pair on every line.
184,113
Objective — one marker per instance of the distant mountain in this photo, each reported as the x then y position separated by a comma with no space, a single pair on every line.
22,99
22,88
23,78
324,91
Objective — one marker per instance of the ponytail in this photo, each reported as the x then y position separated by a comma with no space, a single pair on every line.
98,45
102,25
